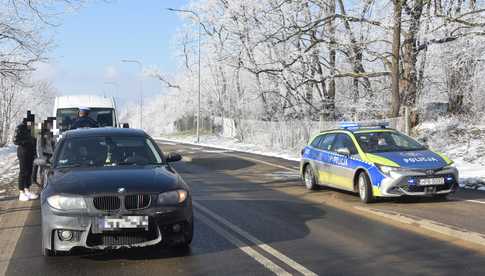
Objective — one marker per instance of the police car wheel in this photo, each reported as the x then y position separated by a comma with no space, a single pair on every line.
310,182
365,188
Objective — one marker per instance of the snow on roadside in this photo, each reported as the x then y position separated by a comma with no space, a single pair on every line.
462,142
8,164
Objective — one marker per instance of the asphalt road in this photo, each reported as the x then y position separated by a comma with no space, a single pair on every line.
253,217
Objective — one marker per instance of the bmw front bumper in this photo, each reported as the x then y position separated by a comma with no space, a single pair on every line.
167,225
406,182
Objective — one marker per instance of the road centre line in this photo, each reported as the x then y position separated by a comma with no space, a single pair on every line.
270,250
243,247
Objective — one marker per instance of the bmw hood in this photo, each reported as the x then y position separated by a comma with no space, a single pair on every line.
423,159
90,181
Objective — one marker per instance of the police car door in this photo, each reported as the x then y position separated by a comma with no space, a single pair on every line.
322,163
341,171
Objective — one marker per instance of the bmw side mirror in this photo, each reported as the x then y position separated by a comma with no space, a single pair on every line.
173,157
343,151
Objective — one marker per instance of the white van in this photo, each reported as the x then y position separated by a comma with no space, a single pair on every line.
66,109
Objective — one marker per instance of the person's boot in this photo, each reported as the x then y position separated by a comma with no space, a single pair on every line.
30,195
23,196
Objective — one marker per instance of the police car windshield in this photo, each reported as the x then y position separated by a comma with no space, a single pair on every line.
67,116
104,151
386,141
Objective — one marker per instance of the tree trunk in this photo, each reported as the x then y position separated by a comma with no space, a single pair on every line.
396,45
332,56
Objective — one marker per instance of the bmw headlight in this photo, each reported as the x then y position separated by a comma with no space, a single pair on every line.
66,202
387,169
172,197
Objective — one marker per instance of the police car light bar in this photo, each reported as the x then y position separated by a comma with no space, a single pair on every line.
354,125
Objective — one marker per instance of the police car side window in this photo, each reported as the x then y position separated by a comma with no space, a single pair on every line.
344,141
326,142
316,141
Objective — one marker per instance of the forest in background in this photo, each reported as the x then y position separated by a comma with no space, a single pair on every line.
314,60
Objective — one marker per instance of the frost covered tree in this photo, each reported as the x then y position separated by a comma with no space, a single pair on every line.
283,60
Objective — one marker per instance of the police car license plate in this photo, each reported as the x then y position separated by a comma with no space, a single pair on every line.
431,181
123,222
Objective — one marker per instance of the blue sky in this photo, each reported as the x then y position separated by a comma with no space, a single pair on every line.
90,43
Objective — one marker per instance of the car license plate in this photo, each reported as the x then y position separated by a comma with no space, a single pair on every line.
123,222
431,181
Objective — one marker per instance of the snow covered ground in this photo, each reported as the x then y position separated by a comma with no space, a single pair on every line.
464,145
8,167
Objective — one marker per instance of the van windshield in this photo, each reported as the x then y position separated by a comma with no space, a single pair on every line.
67,116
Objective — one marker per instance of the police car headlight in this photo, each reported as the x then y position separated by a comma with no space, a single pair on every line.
387,169
66,202
172,197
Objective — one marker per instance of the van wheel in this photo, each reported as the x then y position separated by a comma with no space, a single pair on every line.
309,176
365,188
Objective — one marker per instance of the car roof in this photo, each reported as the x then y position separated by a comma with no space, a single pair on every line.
103,131
358,130
92,101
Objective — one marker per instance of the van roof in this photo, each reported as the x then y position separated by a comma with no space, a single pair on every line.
91,101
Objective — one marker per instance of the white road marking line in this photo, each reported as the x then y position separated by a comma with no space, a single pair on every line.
475,201
280,256
243,247
241,157
261,161
435,226
168,143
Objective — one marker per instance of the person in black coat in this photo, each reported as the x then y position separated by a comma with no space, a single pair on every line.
45,149
26,147
84,120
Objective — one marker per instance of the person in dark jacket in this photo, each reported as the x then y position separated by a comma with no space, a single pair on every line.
45,149
26,153
84,120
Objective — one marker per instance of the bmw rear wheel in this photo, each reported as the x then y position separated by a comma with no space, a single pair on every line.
309,176
365,188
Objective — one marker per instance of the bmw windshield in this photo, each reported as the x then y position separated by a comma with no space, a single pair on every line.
101,151
386,141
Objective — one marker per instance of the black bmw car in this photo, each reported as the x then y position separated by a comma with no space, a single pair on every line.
109,188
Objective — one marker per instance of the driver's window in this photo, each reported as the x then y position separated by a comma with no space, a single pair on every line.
344,141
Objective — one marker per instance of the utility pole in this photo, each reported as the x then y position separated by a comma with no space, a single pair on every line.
199,83
141,87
